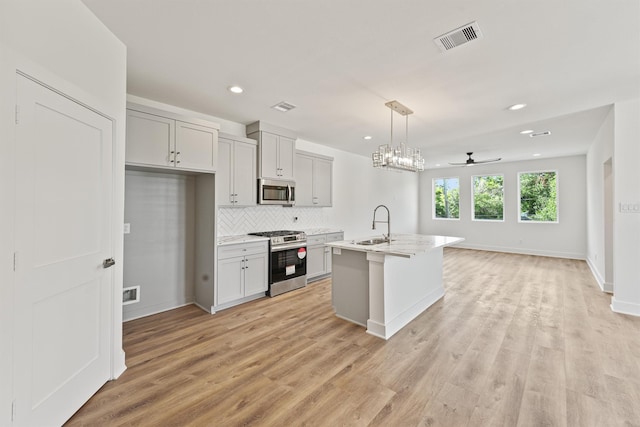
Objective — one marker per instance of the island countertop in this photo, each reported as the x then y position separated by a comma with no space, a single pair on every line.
402,245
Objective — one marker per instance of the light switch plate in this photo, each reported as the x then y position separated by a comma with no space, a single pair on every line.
629,207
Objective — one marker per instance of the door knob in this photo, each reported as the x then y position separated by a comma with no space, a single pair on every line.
109,262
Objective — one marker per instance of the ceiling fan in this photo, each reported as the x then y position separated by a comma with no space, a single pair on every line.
471,162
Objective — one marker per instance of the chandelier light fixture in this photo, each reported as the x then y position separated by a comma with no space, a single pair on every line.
402,156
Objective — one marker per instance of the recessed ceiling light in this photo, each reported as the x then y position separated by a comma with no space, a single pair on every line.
437,164
235,89
536,155
368,137
526,132
515,107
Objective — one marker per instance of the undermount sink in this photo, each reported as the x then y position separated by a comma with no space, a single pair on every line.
372,241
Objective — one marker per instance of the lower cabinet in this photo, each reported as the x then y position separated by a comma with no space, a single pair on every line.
319,255
243,273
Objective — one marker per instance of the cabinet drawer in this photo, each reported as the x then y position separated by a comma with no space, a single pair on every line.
243,249
334,237
318,239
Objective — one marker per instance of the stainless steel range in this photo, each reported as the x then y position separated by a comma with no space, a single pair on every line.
287,261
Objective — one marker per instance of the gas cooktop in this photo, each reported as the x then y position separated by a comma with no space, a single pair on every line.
280,237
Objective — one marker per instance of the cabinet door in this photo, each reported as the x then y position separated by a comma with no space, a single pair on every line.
230,279
196,147
255,274
269,155
244,177
322,177
315,261
332,237
286,151
224,177
304,180
150,139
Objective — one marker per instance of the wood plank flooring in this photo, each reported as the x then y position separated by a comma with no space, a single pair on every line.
517,341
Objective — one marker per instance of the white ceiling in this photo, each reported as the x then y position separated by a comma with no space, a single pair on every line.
340,61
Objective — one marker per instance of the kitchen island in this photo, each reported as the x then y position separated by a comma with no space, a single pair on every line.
384,286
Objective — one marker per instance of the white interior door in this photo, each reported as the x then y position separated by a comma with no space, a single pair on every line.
63,233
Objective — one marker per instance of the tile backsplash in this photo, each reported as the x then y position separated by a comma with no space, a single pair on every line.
233,221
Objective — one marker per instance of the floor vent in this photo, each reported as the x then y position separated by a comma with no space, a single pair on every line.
284,107
458,37
131,295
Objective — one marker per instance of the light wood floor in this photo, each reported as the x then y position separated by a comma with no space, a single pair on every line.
516,341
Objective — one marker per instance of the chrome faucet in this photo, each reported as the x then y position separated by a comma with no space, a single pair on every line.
388,221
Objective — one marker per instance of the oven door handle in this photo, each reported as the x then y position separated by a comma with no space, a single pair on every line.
295,245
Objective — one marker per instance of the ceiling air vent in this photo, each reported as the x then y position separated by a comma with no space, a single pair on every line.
458,37
283,107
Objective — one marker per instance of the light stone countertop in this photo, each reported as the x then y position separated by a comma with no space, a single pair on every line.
403,245
241,238
316,231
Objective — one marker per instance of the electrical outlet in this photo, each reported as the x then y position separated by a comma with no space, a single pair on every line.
126,229
629,207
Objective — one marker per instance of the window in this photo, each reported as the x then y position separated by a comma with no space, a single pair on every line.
538,193
446,198
488,198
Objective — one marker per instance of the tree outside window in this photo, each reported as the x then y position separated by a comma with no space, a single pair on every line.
488,197
446,198
538,196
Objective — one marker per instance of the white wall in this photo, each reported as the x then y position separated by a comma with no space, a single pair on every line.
567,238
601,151
626,237
63,44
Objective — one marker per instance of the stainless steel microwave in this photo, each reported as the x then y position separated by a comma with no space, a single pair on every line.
276,192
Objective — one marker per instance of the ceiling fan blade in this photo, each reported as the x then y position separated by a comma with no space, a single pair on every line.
489,160
458,164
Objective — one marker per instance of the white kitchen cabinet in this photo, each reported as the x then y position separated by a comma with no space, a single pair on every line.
276,148
236,176
159,139
319,255
243,273
313,174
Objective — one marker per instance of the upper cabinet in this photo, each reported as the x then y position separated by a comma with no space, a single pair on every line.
276,148
314,179
236,175
166,140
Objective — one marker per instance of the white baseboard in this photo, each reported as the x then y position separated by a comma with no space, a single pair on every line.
623,307
209,310
387,330
118,366
167,307
604,286
522,251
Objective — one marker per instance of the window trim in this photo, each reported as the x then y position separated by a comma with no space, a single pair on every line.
473,198
433,199
519,213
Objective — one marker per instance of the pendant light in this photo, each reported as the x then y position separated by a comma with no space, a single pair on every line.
401,157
